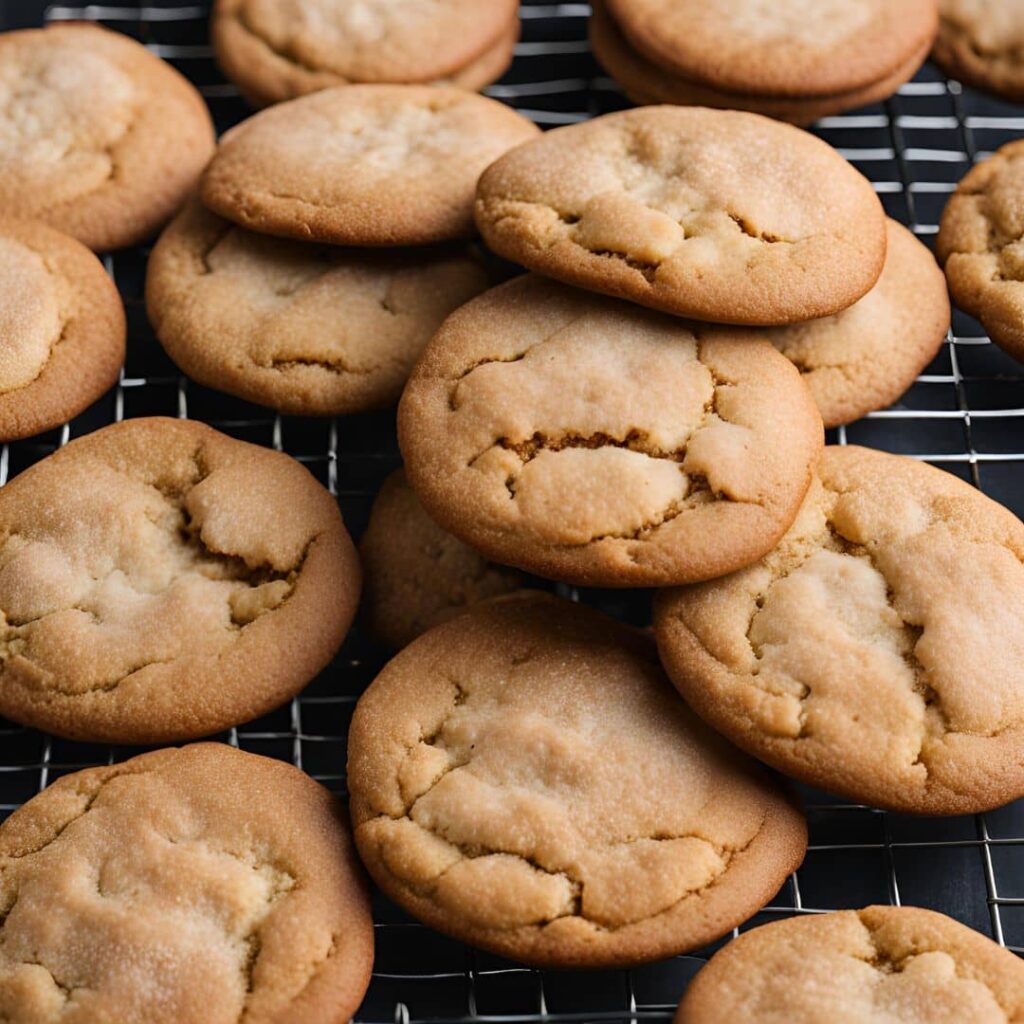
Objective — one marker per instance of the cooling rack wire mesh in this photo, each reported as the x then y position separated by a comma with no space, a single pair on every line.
965,414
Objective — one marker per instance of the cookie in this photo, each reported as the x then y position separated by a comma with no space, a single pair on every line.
362,164
880,965
593,442
876,652
645,82
63,328
523,778
161,581
715,214
418,575
98,138
981,43
865,357
979,244
276,50
794,48
201,885
309,330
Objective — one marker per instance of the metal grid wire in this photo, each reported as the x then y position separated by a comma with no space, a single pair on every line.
965,413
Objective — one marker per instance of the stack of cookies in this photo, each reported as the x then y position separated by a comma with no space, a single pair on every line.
790,59
327,242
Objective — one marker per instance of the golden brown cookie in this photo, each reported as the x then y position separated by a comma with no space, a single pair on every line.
276,50
879,965
590,441
161,581
418,575
646,82
523,778
98,138
877,651
362,164
981,245
310,330
201,885
62,325
981,43
792,48
865,357
716,214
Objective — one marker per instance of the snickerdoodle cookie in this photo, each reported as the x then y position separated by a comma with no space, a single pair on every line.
201,885
877,651
279,49
416,574
363,164
646,82
981,245
63,328
865,357
794,48
595,442
981,43
716,214
307,329
523,778
161,581
98,138
879,965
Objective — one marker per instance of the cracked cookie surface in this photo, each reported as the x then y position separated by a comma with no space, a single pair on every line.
590,441
719,215
487,768
417,574
647,83
200,885
795,48
98,138
981,43
309,330
981,245
879,965
63,328
278,50
161,581
865,357
363,164
877,651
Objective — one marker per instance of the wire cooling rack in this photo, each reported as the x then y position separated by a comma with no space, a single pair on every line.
965,414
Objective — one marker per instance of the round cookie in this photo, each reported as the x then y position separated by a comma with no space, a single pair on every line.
201,885
309,330
98,138
979,244
418,575
792,48
523,778
981,43
879,965
718,215
276,50
362,164
646,83
865,357
593,442
161,581
63,328
876,652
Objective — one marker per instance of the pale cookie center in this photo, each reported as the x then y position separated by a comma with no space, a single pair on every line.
62,111
129,584
815,23
30,315
126,918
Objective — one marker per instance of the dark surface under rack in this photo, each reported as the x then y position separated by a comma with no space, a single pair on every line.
964,414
